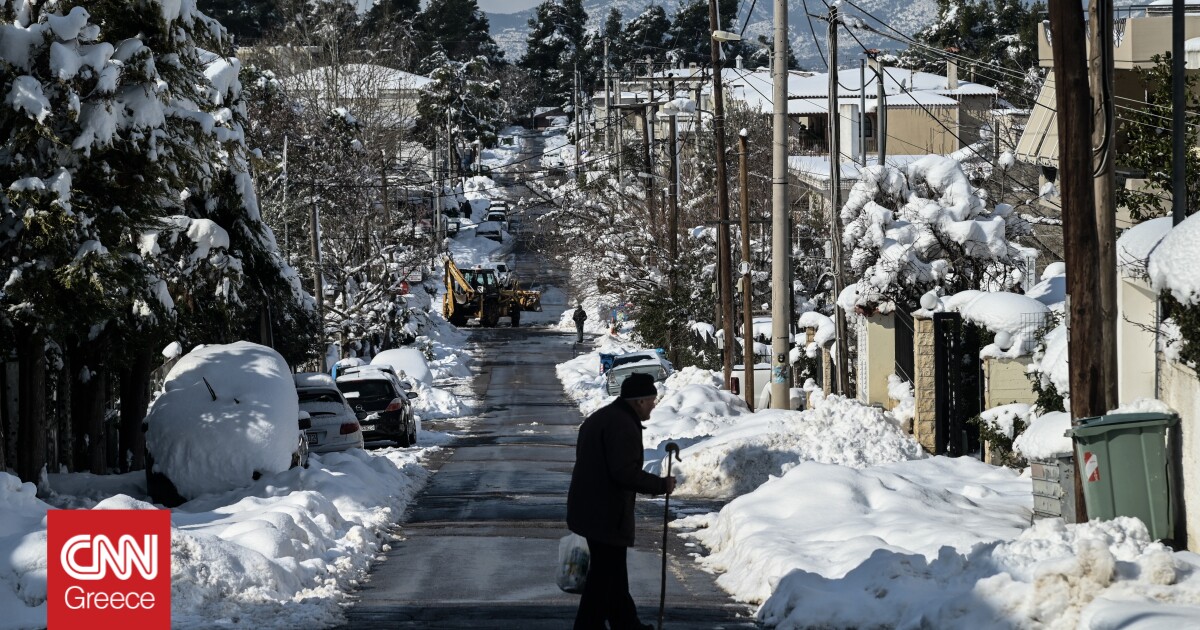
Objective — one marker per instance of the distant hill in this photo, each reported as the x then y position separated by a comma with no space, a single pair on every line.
907,16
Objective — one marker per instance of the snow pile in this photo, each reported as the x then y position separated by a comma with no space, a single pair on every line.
1003,419
691,410
1050,364
820,521
740,456
1012,317
1052,290
282,552
1173,263
1144,405
227,412
1045,437
825,331
1135,245
901,391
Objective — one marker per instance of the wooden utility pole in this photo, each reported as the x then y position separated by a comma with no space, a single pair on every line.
724,282
842,375
1080,234
1100,69
747,285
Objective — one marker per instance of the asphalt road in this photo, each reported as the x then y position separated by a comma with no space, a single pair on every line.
479,545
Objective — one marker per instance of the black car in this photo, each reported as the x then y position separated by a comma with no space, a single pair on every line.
381,403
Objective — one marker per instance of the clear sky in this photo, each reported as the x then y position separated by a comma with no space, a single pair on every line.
506,6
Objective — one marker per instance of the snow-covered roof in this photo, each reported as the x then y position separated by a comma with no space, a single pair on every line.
353,79
816,167
808,91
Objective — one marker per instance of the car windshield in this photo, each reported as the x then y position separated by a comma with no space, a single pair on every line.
366,389
319,397
631,358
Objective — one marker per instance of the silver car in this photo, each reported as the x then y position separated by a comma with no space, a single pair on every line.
331,424
644,362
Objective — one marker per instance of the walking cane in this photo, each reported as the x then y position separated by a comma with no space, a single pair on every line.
672,449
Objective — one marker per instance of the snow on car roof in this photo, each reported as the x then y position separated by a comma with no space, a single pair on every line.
313,379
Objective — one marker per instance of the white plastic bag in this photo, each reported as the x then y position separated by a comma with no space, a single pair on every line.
573,559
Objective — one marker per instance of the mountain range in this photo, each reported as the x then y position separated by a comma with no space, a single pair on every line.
510,30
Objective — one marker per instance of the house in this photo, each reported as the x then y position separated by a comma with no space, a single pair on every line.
1145,370
365,89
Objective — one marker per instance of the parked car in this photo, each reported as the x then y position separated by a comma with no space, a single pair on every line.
498,205
407,363
381,403
325,416
228,415
491,230
642,362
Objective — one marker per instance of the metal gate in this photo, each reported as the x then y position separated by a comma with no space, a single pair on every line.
904,344
959,383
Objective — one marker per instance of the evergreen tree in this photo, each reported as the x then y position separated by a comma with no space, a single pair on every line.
691,33
1000,34
246,20
646,35
466,93
555,48
458,29
132,221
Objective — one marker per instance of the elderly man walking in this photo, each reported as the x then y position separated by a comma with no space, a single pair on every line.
608,473
579,316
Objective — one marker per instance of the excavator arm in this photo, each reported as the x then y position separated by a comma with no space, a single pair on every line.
459,292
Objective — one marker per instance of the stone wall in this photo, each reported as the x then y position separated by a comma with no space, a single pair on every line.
925,385
1180,389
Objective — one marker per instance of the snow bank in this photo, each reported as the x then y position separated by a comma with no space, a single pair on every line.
281,553
691,410
1045,437
1136,243
821,522
1173,263
742,455
1003,419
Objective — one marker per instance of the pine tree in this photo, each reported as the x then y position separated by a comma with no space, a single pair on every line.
646,35
467,94
458,29
555,48
691,33
129,133
246,20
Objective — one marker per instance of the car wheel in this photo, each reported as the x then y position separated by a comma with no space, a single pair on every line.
160,487
412,426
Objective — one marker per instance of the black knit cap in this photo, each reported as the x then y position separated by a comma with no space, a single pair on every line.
638,385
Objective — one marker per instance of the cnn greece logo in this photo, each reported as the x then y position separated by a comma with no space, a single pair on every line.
112,569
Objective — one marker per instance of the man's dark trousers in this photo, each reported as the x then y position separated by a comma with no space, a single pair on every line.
579,332
606,594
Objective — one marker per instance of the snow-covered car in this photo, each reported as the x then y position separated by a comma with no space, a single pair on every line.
499,216
491,230
408,363
227,416
381,403
641,362
325,416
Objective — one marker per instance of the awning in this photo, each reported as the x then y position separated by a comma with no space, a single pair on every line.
1039,141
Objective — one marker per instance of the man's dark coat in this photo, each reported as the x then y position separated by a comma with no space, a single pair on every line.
608,473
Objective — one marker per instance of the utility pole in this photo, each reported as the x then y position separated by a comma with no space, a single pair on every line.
881,111
781,230
673,221
1080,234
862,112
1100,68
318,282
747,285
285,212
1179,200
649,173
723,244
648,138
608,147
842,376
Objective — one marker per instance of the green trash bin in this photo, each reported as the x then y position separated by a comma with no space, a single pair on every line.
1125,468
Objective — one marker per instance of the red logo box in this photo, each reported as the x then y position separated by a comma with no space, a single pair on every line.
109,569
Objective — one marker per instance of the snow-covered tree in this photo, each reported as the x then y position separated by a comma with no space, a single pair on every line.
645,35
555,48
691,33
458,29
123,120
909,231
467,94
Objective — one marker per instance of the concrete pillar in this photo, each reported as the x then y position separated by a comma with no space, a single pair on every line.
925,384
